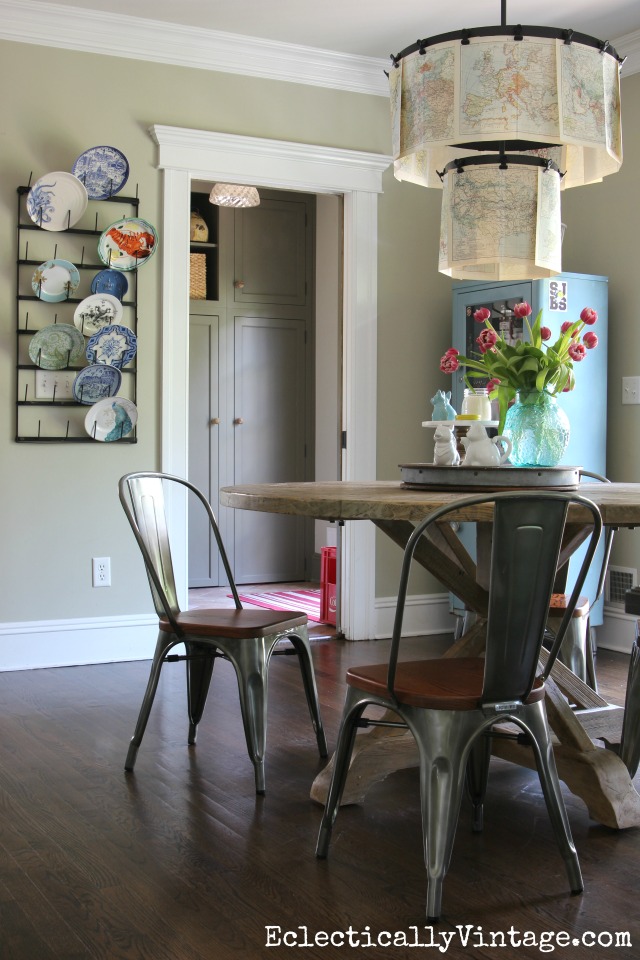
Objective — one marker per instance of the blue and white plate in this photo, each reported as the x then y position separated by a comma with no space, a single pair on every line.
127,244
110,281
55,280
96,382
115,345
57,346
103,170
57,200
97,311
111,419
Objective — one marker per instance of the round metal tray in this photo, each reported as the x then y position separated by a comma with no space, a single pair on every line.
431,476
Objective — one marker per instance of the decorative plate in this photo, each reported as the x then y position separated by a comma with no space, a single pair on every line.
57,200
127,244
111,419
110,281
55,280
103,170
96,382
115,345
57,346
97,311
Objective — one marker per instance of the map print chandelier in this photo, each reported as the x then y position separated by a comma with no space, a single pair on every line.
503,118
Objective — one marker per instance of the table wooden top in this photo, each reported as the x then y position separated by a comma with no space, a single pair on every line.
619,503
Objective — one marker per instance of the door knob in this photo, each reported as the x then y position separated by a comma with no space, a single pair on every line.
238,284
238,420
215,421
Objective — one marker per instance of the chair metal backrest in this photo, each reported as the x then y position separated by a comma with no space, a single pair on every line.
527,536
143,501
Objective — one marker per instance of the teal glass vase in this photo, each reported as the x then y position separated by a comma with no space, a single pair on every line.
538,429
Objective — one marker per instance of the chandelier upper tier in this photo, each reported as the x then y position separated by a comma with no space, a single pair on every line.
466,104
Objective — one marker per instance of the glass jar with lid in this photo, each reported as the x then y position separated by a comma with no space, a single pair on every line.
476,401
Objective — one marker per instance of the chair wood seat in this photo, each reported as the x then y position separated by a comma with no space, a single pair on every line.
446,684
235,624
560,602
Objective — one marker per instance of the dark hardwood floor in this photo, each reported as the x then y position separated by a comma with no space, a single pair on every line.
181,861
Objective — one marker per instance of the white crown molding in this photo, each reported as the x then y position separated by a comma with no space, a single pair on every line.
629,47
57,25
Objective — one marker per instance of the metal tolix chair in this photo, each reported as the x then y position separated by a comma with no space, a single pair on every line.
247,638
451,705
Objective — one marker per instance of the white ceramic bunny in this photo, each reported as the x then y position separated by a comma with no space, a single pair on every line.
483,451
445,453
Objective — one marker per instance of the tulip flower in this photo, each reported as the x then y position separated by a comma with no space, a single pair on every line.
487,340
590,340
522,309
482,314
449,363
588,316
545,333
577,352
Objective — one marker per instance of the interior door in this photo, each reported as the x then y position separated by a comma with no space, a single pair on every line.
269,442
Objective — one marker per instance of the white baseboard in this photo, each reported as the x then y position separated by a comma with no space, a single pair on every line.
618,630
65,643
424,615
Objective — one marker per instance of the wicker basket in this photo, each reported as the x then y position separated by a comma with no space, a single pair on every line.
198,276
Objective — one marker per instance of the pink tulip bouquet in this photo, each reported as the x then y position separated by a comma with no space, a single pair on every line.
533,364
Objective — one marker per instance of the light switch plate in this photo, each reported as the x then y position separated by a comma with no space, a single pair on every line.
59,380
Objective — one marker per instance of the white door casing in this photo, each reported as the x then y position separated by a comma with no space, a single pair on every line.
185,155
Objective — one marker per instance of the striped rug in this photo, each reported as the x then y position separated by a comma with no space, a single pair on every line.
307,601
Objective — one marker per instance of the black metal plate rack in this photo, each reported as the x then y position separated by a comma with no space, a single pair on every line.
46,411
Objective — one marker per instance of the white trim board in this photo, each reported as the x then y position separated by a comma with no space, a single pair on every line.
66,643
194,155
135,38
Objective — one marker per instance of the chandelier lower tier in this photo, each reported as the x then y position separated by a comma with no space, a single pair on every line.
529,91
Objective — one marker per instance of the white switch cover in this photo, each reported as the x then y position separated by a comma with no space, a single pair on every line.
60,380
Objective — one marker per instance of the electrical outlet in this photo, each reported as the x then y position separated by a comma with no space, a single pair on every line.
631,389
101,567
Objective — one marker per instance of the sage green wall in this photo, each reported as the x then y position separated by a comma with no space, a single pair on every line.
603,225
59,502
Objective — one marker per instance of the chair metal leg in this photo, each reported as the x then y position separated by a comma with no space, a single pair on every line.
476,778
302,648
164,643
199,671
444,738
630,743
251,660
355,704
535,718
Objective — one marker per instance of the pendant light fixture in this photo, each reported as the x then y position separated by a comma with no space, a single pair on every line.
234,195
502,118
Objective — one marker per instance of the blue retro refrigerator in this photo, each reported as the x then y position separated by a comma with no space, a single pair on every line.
561,298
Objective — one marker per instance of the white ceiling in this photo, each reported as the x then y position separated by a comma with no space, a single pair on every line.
369,28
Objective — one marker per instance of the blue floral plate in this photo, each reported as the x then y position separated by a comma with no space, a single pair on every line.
115,345
103,170
96,382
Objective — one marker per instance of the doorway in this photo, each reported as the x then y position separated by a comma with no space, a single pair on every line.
187,155
251,381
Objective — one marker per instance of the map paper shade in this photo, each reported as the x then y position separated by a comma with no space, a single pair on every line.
500,224
537,90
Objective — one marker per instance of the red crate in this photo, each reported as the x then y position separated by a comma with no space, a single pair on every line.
328,584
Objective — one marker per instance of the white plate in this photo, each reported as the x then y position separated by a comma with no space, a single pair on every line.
55,280
57,200
111,419
97,311
57,346
127,244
